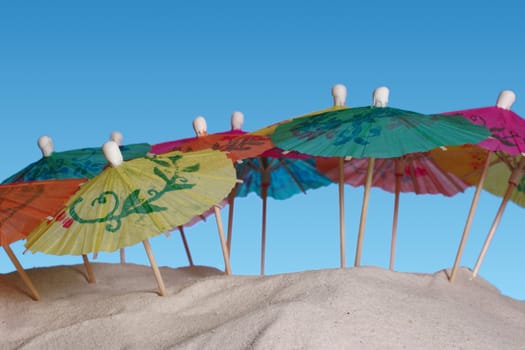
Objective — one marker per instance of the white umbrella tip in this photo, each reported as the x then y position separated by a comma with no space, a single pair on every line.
237,120
505,99
117,137
339,95
199,125
45,143
380,97
112,153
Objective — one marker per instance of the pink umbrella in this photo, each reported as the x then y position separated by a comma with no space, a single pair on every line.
414,172
507,141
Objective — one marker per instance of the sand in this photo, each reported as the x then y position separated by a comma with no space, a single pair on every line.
354,308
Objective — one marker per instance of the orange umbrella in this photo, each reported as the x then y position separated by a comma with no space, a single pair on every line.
237,143
23,206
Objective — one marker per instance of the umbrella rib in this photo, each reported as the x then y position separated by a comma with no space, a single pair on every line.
254,166
244,172
413,176
494,162
378,171
294,178
505,159
450,178
274,164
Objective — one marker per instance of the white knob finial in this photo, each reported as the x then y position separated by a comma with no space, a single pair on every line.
505,99
237,120
45,143
339,95
200,127
380,97
117,137
112,153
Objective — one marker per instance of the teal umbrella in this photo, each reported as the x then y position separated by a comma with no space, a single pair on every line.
375,131
77,163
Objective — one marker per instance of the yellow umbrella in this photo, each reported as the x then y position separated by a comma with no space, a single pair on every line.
131,201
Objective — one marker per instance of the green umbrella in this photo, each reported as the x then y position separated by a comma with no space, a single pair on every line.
72,164
375,131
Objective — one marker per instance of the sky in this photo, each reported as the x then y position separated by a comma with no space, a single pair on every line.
77,71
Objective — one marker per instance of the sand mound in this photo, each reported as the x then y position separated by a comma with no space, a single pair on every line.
360,308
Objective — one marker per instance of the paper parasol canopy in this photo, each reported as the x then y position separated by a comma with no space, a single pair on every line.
132,201
78,163
136,200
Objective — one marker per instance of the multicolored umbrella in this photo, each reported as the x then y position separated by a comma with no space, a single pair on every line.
373,132
131,201
23,206
414,172
507,145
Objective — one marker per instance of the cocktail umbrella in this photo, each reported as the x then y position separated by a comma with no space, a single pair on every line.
279,176
78,163
236,143
131,201
373,132
414,172
23,206
506,145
